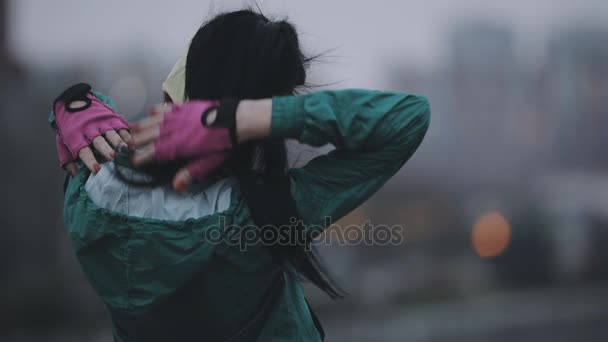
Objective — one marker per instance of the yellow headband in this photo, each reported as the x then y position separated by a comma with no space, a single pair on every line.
175,83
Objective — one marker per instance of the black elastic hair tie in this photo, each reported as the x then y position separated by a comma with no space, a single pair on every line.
77,92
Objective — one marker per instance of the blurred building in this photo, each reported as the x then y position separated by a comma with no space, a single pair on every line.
9,68
3,33
575,91
484,109
482,78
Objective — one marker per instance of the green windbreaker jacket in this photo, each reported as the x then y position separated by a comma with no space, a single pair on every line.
150,253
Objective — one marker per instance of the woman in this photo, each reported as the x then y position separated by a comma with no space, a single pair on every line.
170,265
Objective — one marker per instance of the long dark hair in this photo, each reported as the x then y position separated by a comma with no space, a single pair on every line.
245,55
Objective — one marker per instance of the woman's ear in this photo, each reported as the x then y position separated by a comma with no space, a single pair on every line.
167,98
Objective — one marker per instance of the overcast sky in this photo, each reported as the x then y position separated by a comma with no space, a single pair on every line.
366,34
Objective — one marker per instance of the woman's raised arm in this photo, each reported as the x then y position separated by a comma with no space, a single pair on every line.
374,133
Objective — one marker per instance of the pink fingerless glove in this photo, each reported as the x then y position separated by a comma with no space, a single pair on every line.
185,135
77,126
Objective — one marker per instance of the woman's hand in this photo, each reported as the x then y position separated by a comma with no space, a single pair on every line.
105,144
183,132
84,122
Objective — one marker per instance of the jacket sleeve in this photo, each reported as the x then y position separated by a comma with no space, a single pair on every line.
374,133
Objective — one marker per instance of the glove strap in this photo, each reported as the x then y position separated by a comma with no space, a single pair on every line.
225,117
76,92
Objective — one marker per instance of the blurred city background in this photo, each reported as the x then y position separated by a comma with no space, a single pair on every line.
503,204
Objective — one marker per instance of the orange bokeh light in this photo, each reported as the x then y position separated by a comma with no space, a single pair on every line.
491,235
